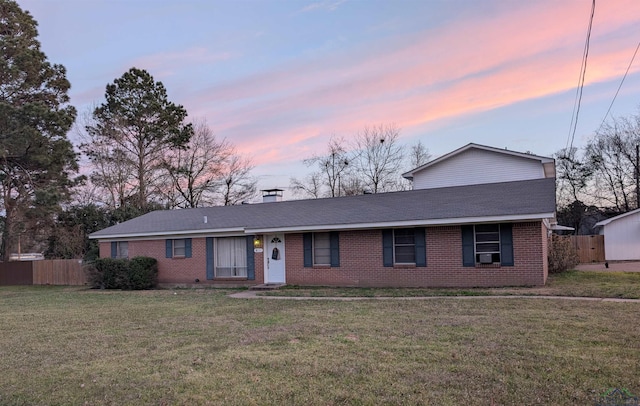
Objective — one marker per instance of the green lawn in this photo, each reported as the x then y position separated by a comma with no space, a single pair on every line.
624,285
67,346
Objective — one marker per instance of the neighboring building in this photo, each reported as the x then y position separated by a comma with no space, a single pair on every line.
27,256
476,164
621,236
446,233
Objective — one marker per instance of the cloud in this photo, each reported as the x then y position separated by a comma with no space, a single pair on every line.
328,5
167,63
466,66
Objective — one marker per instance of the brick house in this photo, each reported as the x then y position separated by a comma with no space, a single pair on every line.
478,216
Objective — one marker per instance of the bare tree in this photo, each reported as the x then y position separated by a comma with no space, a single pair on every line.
331,172
310,186
236,184
379,157
611,153
194,173
573,175
418,155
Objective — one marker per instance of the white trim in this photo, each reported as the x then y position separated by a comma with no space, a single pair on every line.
542,159
407,223
176,234
607,221
235,232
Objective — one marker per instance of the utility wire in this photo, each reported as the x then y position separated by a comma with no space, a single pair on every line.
583,71
620,86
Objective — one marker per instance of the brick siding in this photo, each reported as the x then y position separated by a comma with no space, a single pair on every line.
181,271
361,262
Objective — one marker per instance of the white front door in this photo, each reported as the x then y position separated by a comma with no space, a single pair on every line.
274,258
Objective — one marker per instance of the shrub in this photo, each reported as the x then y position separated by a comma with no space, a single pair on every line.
137,273
143,273
562,254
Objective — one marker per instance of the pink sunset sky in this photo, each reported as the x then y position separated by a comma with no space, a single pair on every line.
279,78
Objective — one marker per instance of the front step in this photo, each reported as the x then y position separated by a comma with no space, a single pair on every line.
267,286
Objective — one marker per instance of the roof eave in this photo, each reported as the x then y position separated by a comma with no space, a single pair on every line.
407,223
167,233
618,217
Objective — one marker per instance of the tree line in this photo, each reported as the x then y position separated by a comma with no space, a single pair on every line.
372,162
601,179
138,151
141,153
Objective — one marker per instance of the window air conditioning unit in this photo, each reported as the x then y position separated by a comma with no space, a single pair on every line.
485,259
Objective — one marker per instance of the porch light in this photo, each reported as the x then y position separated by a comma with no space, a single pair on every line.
257,242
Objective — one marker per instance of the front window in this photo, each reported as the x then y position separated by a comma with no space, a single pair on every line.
122,249
179,248
487,243
404,246
231,257
321,249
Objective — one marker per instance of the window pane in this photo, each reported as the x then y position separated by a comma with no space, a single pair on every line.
231,257
487,242
487,228
488,247
404,246
405,254
179,248
404,236
321,249
484,237
123,249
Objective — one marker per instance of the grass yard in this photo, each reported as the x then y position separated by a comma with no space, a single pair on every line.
625,285
67,346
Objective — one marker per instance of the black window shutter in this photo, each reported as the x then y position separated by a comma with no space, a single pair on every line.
307,247
334,238
187,247
506,244
114,249
468,251
169,248
209,255
251,265
421,247
387,247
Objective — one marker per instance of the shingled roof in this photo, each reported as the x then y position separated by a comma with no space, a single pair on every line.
508,201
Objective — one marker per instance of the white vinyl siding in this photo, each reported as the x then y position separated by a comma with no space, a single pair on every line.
476,166
622,238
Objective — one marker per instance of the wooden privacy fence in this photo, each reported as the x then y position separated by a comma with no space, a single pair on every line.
47,272
590,248
59,272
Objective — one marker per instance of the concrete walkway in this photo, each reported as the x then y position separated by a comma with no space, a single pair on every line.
249,294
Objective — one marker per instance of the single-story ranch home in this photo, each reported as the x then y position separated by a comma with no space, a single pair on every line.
478,216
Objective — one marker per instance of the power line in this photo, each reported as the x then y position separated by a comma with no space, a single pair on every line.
583,70
619,87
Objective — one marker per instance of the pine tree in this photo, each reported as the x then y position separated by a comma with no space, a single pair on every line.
36,158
